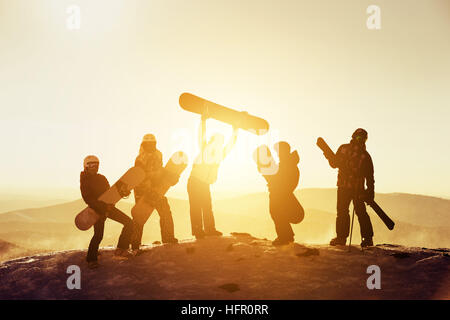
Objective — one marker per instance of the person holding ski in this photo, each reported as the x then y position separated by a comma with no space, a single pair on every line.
150,159
92,185
355,173
204,173
284,207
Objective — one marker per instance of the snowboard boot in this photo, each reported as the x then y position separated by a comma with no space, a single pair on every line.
366,242
213,233
136,252
172,240
338,241
121,254
280,242
199,234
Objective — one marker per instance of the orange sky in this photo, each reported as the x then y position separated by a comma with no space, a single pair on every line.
311,68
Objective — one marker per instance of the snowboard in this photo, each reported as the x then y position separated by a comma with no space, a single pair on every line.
265,161
125,184
171,172
128,181
383,216
86,219
242,120
329,154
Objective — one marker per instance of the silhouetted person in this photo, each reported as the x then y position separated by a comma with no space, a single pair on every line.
150,159
355,171
283,205
204,173
92,186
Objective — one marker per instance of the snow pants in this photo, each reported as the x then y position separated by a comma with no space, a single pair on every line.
99,227
344,197
165,222
284,210
202,218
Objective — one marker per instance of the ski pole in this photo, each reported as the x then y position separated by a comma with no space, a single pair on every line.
351,230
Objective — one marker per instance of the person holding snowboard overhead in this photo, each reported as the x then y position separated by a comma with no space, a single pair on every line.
355,171
92,186
150,159
204,173
284,207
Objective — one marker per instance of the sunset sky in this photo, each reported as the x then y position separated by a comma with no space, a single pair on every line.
310,68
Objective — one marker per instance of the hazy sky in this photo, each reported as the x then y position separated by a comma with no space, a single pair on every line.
311,68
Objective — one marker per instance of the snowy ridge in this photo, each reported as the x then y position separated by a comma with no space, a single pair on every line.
234,267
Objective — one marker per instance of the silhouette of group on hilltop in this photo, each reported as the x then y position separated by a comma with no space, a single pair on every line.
355,183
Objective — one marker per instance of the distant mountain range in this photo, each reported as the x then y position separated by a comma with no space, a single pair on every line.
421,221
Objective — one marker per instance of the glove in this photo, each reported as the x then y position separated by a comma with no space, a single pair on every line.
369,195
205,114
124,192
122,188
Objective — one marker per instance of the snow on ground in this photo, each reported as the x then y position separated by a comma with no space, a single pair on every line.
234,267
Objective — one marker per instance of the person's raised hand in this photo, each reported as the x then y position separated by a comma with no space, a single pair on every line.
205,114
109,207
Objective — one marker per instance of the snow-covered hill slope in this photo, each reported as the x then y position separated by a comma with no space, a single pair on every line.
235,267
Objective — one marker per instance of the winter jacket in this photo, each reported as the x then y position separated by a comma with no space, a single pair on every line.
355,167
93,186
152,163
286,178
282,202
206,165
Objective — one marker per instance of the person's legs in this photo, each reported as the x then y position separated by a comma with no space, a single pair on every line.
279,211
137,235
195,207
127,230
206,204
284,230
165,221
343,218
95,241
140,217
364,219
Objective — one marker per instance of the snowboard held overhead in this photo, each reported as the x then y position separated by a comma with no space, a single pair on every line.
240,119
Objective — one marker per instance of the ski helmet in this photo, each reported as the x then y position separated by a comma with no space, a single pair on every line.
360,134
90,159
149,138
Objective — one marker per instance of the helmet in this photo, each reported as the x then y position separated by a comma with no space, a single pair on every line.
149,138
282,146
360,133
90,159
